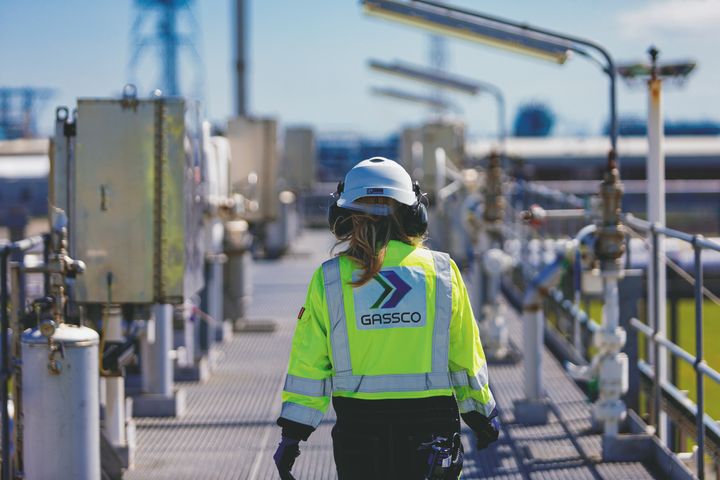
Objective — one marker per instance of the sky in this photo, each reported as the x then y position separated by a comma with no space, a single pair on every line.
308,60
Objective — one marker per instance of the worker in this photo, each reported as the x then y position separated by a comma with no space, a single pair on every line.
388,332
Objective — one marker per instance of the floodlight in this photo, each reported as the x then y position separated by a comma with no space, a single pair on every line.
458,24
644,70
446,80
427,75
411,97
498,32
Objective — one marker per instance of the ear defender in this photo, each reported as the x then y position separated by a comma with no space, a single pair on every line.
339,219
416,216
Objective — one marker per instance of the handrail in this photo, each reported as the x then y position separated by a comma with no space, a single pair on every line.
675,349
647,227
657,342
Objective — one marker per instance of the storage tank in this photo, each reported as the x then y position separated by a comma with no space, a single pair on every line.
61,412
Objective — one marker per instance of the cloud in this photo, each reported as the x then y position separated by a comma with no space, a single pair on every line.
671,17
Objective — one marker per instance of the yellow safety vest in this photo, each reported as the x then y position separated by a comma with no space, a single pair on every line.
408,333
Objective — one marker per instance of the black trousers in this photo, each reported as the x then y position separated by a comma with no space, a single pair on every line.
379,439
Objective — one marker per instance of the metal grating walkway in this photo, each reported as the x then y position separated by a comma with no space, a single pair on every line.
229,429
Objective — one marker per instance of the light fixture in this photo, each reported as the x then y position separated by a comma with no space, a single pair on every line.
449,81
427,75
411,97
458,24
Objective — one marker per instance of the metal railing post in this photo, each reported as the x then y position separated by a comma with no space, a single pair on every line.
577,297
699,377
631,290
656,329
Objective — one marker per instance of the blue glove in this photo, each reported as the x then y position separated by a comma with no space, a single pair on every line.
488,432
288,450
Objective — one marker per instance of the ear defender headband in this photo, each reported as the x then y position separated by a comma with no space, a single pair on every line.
413,217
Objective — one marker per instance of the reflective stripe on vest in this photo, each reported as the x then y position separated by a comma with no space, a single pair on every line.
472,405
439,377
336,309
307,386
443,312
301,414
384,383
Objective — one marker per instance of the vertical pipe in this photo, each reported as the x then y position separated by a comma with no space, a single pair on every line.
167,26
162,372
46,261
699,378
611,304
240,54
611,314
611,71
4,324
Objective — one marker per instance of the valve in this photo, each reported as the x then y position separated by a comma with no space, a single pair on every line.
535,216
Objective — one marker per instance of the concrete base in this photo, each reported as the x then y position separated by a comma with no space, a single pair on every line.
200,372
225,332
152,405
531,412
243,325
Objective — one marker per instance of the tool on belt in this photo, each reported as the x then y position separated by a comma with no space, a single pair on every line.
445,457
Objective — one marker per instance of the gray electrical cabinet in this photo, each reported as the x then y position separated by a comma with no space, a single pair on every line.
254,167
299,160
137,207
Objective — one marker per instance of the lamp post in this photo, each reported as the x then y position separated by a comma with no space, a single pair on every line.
553,46
450,82
497,32
653,74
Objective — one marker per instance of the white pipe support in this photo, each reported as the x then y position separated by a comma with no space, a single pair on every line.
158,376
115,418
533,341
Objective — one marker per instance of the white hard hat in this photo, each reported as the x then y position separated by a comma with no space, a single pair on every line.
376,177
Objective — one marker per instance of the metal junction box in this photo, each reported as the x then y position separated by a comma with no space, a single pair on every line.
254,168
137,206
299,165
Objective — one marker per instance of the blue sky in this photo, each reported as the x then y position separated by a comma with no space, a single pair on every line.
308,59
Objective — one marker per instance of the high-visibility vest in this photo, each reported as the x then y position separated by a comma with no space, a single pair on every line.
407,333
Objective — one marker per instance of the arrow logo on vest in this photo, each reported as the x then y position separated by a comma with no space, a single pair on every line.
400,287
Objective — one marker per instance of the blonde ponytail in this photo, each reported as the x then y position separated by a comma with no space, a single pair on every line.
369,237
